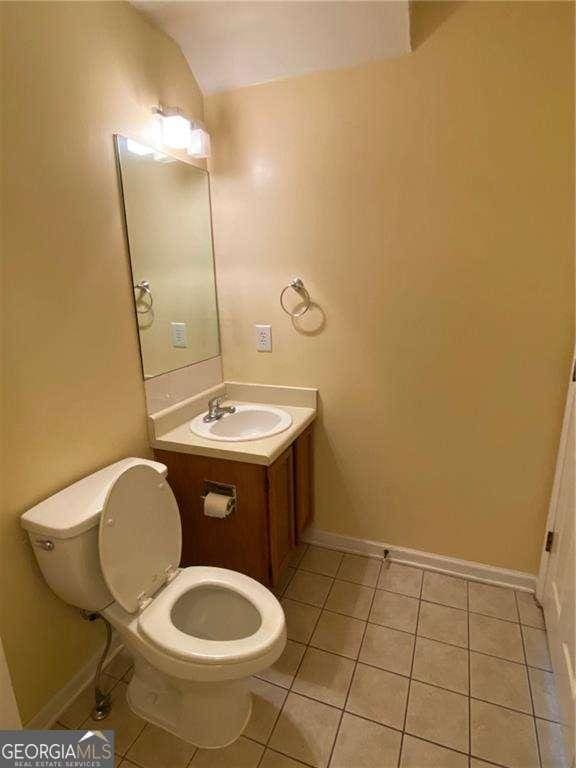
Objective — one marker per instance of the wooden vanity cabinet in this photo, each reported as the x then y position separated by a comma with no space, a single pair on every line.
273,505
304,479
281,513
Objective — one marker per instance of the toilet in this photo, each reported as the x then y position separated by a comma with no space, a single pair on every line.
111,543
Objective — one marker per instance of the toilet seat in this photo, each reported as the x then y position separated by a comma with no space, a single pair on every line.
139,536
157,625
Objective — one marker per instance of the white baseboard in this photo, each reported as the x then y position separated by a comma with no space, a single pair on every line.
466,569
51,711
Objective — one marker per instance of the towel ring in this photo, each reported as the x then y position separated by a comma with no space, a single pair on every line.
144,287
297,285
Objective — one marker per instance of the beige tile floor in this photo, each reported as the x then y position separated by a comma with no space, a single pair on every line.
386,666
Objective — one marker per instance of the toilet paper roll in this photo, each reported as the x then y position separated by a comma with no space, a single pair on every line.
217,505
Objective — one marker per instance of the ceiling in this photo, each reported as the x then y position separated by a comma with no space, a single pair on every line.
234,44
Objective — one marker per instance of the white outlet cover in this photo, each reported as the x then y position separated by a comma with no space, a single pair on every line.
263,337
179,334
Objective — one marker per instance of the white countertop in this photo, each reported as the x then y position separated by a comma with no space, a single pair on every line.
170,429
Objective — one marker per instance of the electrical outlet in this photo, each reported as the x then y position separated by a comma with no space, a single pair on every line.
263,338
179,336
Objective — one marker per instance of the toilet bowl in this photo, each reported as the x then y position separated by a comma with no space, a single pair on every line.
112,543
195,646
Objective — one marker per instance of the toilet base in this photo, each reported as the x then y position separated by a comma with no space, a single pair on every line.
208,715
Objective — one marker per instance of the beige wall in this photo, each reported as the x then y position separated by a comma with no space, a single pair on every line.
75,74
428,204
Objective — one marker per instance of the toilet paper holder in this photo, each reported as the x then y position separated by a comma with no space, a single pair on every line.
224,489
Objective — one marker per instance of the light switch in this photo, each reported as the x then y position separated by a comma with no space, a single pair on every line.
179,336
263,338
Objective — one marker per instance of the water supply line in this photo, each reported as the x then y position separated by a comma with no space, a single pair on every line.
102,701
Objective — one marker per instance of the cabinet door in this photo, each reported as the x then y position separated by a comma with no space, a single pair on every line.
304,480
280,478
240,541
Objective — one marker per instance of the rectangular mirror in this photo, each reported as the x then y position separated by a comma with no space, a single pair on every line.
168,222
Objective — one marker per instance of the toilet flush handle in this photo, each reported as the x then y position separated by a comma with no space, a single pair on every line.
45,544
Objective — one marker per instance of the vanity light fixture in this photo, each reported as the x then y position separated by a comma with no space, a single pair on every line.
176,128
199,141
179,132
142,151
138,149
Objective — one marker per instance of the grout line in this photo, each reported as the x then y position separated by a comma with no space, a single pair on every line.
308,645
428,600
382,725
452,645
308,572
424,637
337,577
303,602
530,690
281,593
496,618
358,583
424,600
280,709
422,682
539,717
488,762
140,732
500,658
353,675
411,671
289,690
284,754
416,680
297,563
502,706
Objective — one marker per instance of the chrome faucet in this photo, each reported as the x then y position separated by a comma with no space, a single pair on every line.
216,411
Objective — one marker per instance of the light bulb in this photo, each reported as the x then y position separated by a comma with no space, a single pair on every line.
175,131
199,145
138,149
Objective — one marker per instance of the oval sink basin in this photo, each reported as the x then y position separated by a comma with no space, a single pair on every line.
249,422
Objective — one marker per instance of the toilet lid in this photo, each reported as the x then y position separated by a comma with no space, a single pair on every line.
140,537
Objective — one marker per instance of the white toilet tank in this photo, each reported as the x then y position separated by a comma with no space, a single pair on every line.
63,531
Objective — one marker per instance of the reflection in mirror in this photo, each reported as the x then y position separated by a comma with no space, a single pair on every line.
167,213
